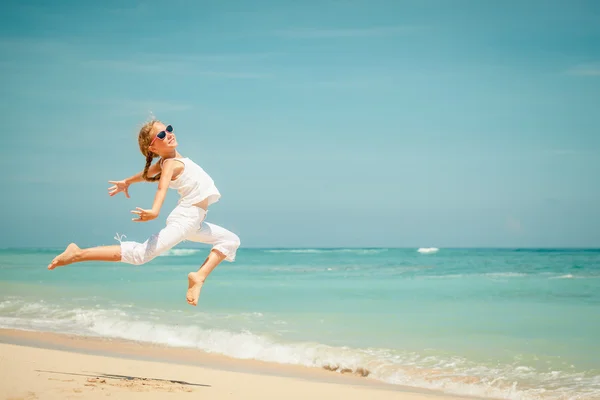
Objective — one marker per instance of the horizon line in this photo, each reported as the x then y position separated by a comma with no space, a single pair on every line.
352,247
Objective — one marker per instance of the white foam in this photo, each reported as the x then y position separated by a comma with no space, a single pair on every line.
317,251
504,275
428,250
567,276
454,375
179,252
492,275
295,251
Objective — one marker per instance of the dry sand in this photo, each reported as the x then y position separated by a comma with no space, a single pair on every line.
49,366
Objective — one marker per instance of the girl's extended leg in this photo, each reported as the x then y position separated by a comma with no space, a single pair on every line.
74,254
181,222
225,245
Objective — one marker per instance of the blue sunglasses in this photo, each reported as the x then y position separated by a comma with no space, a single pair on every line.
162,134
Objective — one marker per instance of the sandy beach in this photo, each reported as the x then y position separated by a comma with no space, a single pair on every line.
50,366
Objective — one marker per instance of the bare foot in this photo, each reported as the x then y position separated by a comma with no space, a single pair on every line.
195,282
66,258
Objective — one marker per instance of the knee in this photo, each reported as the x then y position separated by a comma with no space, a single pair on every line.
140,260
228,246
232,244
136,253
235,241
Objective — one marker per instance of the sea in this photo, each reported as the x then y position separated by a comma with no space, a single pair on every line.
519,324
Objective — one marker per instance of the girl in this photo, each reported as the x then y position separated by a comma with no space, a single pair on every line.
186,222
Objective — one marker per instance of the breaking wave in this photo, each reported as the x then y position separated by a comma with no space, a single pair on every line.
450,374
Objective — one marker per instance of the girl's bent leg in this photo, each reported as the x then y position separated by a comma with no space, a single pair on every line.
74,254
225,244
196,279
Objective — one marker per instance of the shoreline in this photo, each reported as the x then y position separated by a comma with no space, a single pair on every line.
33,347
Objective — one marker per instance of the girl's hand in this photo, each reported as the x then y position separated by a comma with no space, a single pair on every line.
119,186
144,215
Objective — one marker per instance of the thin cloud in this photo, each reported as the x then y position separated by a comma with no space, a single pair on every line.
189,65
234,75
351,83
592,69
34,45
127,10
129,66
561,152
513,224
379,31
139,107
213,57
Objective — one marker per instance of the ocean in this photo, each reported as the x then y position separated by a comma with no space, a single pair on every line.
497,323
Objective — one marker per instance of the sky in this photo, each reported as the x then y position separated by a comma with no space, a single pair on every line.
425,123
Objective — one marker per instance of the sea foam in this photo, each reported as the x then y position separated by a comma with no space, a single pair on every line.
450,374
428,250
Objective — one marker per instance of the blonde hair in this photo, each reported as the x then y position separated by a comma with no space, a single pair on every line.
144,139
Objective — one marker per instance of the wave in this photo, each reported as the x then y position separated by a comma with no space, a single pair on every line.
504,275
501,275
428,250
557,250
450,374
318,251
179,252
567,276
416,272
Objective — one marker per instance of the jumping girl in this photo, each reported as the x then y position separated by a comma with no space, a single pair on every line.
197,191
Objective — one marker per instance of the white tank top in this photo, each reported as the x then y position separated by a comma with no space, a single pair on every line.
193,184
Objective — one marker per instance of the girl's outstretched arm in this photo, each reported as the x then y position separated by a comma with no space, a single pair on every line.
163,185
123,186
153,170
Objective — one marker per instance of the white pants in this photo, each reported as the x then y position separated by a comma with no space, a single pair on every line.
183,223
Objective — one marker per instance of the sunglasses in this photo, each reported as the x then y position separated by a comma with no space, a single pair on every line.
162,134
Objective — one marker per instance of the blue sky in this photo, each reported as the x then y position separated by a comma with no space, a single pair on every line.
324,123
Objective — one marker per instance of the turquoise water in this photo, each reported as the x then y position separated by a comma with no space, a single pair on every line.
510,323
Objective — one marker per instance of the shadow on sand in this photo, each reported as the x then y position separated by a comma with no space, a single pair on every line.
125,377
